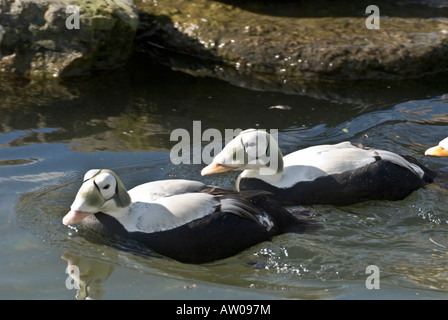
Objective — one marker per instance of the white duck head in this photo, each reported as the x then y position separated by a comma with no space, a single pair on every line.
101,191
252,149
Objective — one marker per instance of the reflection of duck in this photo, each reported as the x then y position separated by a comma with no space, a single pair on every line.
441,150
89,276
185,220
341,174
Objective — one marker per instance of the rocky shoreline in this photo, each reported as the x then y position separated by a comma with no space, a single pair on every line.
219,39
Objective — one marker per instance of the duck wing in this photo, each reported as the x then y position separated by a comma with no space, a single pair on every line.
169,212
151,191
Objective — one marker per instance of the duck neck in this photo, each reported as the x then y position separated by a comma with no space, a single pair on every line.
271,173
119,213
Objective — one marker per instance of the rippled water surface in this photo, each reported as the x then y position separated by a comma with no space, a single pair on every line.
51,133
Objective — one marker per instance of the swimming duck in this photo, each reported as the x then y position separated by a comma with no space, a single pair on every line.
441,150
182,219
339,174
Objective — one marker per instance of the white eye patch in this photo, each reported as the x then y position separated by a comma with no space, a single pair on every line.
255,145
106,183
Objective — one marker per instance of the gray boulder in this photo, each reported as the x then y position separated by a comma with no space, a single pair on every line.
41,38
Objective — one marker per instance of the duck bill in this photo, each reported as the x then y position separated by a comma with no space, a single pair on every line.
74,216
215,168
437,151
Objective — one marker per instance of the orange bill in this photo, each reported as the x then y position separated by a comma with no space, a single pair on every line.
215,168
437,151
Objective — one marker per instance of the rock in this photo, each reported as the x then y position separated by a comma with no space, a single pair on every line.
37,42
266,51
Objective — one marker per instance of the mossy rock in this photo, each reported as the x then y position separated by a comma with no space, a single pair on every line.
37,42
254,48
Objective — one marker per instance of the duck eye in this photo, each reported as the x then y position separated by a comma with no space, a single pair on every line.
106,187
247,144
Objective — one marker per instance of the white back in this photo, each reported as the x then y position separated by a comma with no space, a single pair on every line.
154,190
162,205
313,162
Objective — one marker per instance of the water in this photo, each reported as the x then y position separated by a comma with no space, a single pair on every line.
51,133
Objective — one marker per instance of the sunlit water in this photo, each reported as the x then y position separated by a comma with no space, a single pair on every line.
51,134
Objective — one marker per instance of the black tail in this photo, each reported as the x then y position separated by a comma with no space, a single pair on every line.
262,203
436,176
286,221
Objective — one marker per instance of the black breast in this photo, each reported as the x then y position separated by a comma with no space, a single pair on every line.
214,237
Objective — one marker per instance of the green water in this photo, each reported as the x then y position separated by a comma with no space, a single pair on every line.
51,133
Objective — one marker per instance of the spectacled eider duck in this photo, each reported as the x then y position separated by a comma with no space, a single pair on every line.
339,174
185,220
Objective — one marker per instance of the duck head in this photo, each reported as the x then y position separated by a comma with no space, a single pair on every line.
440,150
101,191
252,149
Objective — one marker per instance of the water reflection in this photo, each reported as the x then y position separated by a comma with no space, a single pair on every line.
88,276
136,111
